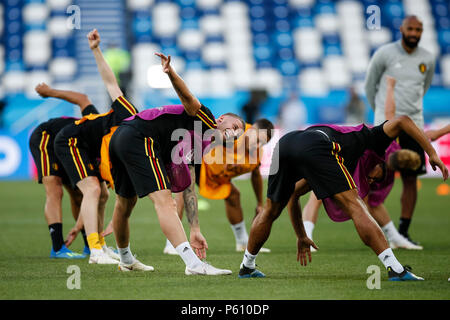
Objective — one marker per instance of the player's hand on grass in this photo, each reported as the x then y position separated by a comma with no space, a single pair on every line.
165,62
71,236
94,39
43,90
109,229
303,250
198,244
436,162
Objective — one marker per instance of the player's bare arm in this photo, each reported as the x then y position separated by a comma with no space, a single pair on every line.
197,241
190,102
78,98
389,108
392,128
295,214
436,134
104,69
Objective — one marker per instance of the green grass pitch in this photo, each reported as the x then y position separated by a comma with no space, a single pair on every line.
338,270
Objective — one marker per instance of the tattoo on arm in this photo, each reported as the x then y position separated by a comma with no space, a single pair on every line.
190,200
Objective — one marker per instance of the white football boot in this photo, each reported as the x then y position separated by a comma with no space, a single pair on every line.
101,258
206,269
169,249
401,242
110,252
135,266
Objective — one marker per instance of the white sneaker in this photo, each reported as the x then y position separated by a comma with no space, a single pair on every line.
101,258
240,247
206,269
170,250
401,242
110,252
135,266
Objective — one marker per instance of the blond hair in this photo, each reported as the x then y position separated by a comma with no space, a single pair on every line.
404,159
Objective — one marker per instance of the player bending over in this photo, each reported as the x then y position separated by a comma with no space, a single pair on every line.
140,153
314,159
52,174
214,180
78,146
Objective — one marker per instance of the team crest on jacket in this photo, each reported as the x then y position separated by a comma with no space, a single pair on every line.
55,166
422,68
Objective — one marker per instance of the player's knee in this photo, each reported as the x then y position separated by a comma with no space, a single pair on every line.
92,190
55,193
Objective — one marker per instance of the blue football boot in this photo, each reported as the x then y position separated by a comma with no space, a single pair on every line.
65,253
245,272
406,275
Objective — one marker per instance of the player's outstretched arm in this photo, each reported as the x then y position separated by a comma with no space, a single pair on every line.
295,214
78,98
197,241
389,106
393,127
436,134
109,79
190,102
257,184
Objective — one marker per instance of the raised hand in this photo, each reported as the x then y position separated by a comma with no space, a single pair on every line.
94,39
43,90
165,62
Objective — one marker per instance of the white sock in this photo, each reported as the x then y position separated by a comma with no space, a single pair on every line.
187,254
249,260
309,228
168,243
240,232
390,231
125,255
389,260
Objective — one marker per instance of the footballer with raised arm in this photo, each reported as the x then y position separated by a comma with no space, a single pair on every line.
140,152
78,147
51,173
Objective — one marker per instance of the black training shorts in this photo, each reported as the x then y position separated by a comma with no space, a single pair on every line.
73,153
41,147
137,168
310,155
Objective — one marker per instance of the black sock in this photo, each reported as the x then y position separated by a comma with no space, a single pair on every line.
56,235
404,226
83,233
